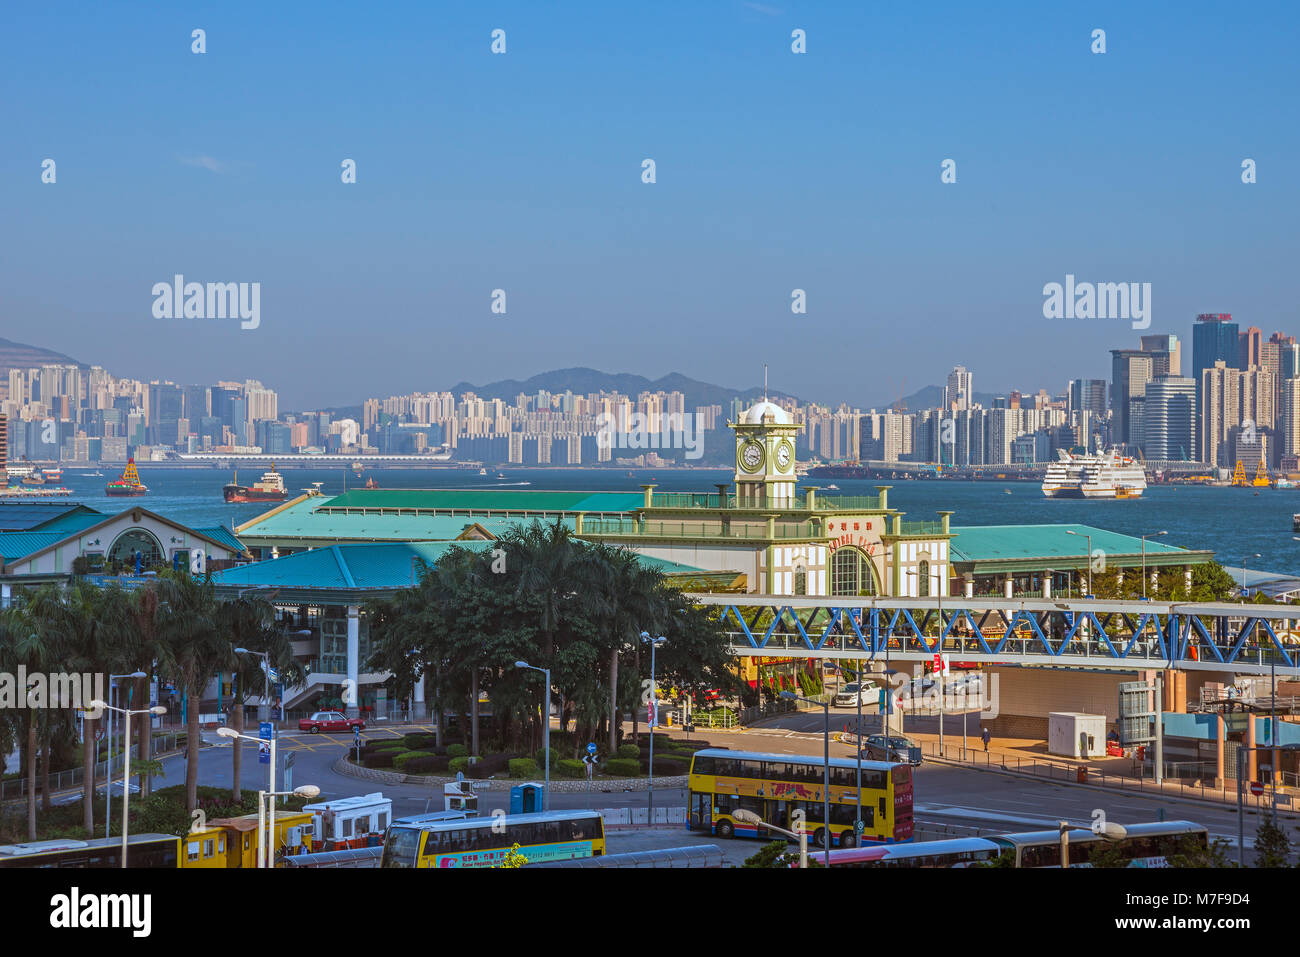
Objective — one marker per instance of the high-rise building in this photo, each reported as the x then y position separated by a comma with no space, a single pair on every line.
4,443
1169,419
1171,363
959,393
1131,370
1220,410
1248,347
1289,424
1214,339
1087,395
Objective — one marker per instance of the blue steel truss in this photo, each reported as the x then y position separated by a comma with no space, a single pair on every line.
1098,634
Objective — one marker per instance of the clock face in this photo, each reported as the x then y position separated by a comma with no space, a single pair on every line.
751,456
784,456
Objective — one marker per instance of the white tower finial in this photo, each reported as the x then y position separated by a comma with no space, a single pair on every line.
764,381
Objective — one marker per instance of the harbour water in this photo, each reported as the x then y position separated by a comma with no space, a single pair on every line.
1234,523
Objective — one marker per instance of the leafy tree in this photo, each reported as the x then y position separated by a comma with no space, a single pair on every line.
1272,846
1189,853
513,858
774,854
1107,854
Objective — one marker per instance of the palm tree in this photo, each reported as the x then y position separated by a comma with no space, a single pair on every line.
194,651
143,652
90,624
32,647
249,623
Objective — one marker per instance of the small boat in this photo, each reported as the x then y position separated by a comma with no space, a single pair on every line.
128,484
1007,490
52,475
357,467
35,478
482,471
371,483
832,488
1295,522
95,474
270,488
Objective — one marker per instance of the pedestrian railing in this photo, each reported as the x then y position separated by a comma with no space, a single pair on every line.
13,789
641,816
1141,779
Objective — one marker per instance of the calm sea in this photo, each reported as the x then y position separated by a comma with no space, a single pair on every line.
1234,523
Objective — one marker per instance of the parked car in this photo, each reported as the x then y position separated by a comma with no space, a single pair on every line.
329,721
895,748
855,693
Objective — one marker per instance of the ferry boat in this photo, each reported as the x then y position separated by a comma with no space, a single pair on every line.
34,478
270,488
22,491
52,475
1108,474
128,484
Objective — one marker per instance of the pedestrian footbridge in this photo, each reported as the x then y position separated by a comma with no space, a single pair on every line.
1091,633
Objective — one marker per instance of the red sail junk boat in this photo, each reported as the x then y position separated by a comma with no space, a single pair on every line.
128,484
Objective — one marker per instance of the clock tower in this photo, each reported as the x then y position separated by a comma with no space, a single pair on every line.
765,436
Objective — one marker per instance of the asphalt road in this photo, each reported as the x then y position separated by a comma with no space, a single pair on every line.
952,798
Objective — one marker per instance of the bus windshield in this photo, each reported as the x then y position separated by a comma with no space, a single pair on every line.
401,848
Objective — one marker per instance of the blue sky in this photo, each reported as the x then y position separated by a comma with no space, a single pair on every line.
522,171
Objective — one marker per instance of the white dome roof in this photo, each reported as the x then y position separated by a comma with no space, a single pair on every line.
765,411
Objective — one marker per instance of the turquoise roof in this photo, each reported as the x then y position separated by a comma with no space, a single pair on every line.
21,516
15,545
72,522
319,519
360,566
1003,543
484,500
223,535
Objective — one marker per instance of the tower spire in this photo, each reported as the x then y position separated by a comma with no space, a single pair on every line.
764,381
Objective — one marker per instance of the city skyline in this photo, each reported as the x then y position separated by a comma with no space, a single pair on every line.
776,172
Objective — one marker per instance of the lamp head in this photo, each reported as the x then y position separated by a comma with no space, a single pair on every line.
98,704
745,816
307,791
522,664
157,709
228,732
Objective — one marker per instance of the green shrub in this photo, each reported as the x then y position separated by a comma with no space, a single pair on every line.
427,764
666,766
455,765
540,757
569,768
628,751
622,768
419,741
457,751
402,760
523,768
489,766
381,759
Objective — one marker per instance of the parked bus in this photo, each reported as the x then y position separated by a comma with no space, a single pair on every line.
774,786
484,842
143,850
963,852
1145,845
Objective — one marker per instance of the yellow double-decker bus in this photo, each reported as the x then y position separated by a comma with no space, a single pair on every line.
775,786
484,842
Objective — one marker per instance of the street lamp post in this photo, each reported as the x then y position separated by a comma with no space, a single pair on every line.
126,743
1088,536
267,853
745,816
263,709
1241,592
826,769
232,733
1111,832
546,729
126,761
1144,559
652,719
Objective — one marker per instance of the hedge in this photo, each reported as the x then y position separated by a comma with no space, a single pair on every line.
492,764
622,768
666,766
540,757
381,759
569,768
402,761
458,764
628,751
457,751
422,742
426,764
523,768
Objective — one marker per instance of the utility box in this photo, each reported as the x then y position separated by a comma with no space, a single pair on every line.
1074,735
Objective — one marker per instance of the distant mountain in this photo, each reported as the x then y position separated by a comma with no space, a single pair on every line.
581,381
16,355
931,397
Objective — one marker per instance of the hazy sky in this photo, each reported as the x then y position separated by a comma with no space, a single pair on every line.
522,172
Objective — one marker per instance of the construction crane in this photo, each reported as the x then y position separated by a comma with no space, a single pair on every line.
1261,475
1239,476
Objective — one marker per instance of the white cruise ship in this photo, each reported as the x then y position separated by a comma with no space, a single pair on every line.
1094,475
